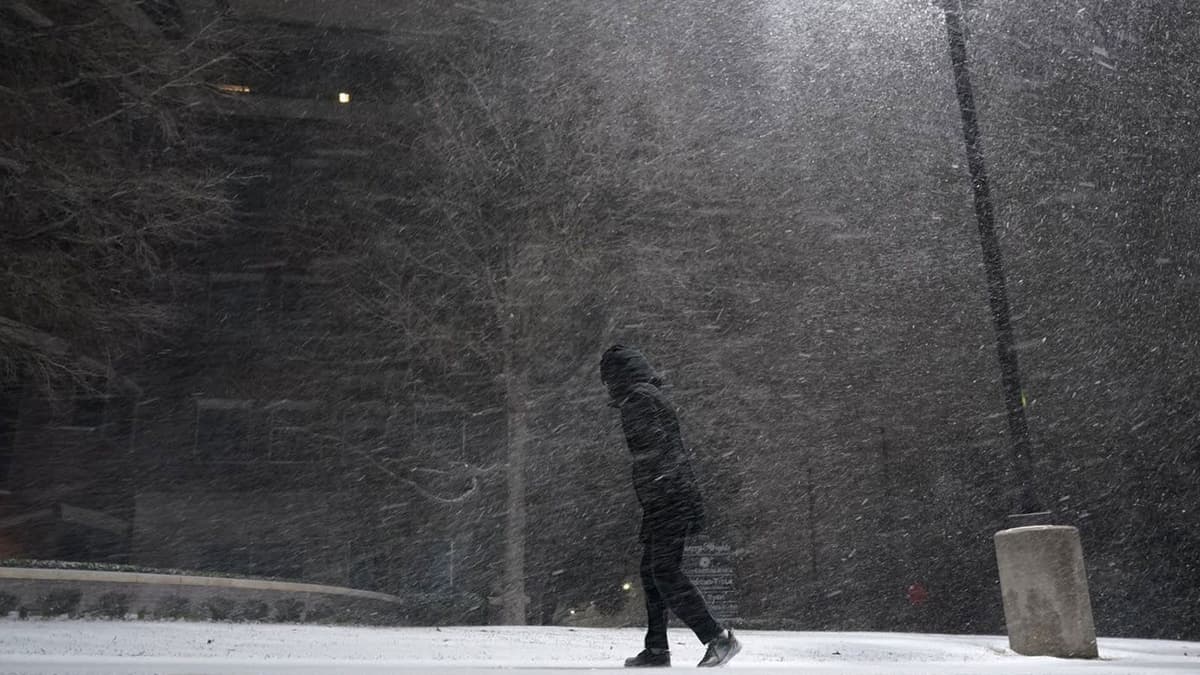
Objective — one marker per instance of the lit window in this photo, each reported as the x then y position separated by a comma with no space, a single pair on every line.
234,88
344,97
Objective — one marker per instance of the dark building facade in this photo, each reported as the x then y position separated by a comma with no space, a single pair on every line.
282,433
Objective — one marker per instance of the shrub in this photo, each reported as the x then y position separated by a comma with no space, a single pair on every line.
8,602
252,610
320,613
220,608
59,602
289,610
111,606
174,607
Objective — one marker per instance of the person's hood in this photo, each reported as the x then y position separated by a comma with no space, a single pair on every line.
623,367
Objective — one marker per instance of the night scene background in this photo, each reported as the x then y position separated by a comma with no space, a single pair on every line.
317,291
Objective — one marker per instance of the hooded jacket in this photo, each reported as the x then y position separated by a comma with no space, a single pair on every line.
662,473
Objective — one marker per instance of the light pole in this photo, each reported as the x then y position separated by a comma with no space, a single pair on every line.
1010,374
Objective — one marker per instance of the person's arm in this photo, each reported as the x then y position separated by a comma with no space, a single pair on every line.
660,459
644,428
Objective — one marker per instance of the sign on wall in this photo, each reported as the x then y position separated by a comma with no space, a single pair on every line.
710,567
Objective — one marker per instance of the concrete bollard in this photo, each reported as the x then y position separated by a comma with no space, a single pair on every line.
1044,585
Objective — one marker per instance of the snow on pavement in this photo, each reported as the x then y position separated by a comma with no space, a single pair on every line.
177,648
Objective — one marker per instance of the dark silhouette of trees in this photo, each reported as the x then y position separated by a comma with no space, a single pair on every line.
102,192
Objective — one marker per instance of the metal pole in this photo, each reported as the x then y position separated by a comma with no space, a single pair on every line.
812,524
886,474
1010,375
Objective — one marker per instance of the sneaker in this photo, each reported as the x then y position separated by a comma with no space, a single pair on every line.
720,650
650,658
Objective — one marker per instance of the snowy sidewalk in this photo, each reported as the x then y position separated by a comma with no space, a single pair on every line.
170,648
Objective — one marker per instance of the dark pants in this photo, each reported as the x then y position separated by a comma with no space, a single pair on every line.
667,587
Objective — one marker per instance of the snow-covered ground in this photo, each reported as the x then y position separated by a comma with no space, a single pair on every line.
40,647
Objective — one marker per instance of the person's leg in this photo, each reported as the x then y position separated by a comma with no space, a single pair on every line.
666,562
656,606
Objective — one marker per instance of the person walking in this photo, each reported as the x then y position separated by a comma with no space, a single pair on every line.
672,509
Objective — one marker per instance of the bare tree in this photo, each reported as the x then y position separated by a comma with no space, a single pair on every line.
489,262
101,186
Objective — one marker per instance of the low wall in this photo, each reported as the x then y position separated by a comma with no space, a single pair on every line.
28,591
